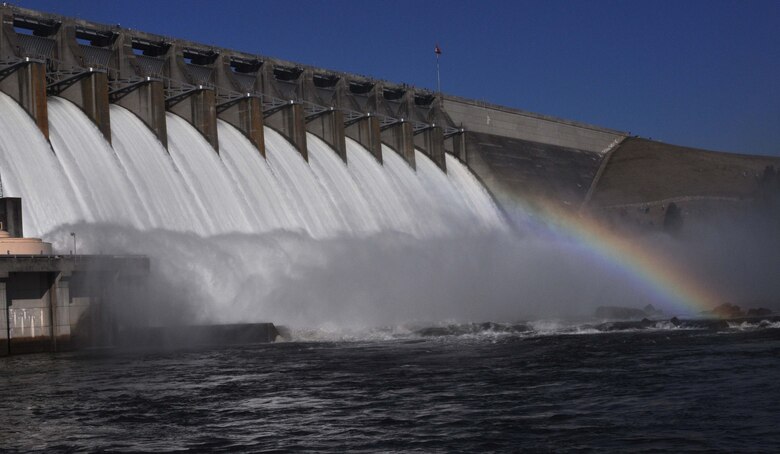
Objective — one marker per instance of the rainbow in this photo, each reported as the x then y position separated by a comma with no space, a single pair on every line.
665,279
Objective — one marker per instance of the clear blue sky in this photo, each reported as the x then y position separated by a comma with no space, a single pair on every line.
696,73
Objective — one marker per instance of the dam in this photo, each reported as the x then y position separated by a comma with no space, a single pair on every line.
515,154
217,161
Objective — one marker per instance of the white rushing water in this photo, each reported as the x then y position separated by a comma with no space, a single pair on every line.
340,187
30,170
408,185
101,185
256,181
379,190
237,237
191,188
475,197
208,179
320,216
162,190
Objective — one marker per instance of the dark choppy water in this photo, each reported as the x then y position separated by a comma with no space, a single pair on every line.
636,390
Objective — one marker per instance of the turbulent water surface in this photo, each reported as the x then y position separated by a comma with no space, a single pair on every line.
478,388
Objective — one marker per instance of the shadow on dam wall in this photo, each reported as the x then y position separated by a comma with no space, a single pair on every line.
532,170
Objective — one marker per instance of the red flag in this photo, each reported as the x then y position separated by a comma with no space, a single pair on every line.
437,49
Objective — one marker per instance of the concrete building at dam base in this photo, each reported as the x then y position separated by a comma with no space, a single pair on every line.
54,302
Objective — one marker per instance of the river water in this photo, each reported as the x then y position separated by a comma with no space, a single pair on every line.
471,388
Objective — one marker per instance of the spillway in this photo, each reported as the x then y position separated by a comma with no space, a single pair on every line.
136,182
409,187
320,215
102,187
233,235
475,197
340,187
376,184
208,179
31,170
257,183
158,183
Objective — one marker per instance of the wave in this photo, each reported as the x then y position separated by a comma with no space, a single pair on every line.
495,331
746,325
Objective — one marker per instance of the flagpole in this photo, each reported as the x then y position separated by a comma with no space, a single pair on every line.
438,75
437,51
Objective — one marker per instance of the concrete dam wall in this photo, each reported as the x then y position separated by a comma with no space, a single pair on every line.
518,156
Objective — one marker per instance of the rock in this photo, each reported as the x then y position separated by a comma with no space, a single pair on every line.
619,313
758,312
728,310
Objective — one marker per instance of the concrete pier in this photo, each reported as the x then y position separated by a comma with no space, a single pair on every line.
290,120
90,93
146,99
400,137
189,85
236,82
23,77
199,108
78,72
365,131
329,126
137,83
431,141
188,336
455,144
324,117
283,110
246,115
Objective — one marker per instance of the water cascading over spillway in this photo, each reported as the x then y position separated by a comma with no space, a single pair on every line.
239,237
380,191
101,184
159,184
208,179
256,181
320,216
191,188
340,187
474,195
409,186
29,169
